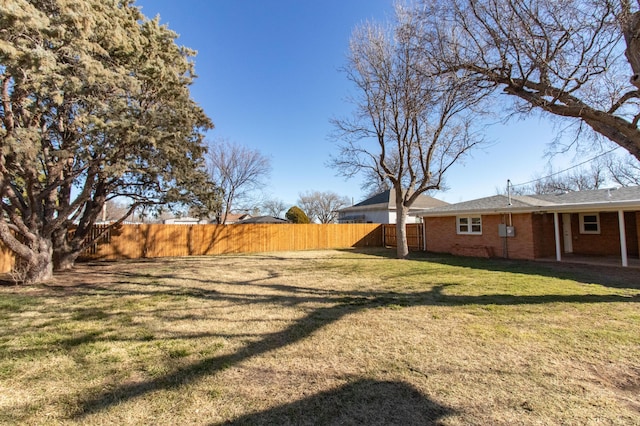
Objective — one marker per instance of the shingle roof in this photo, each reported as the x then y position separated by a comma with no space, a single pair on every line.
594,196
387,201
607,199
263,219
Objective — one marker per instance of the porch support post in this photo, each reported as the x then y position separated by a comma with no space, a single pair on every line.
623,238
424,234
556,227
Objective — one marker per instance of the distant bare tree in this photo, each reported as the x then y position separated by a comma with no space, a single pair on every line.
274,207
410,125
372,184
322,206
606,170
571,58
114,210
239,171
579,180
624,171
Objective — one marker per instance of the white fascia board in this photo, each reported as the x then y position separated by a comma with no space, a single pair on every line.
604,206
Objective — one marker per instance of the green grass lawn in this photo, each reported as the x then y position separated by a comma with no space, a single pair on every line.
323,337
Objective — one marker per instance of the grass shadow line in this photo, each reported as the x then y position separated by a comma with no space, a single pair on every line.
364,402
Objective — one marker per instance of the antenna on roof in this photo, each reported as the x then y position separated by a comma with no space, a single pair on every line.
509,190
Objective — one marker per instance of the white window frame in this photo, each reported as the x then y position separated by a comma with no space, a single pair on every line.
469,225
582,223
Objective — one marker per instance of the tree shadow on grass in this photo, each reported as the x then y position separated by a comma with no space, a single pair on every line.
331,306
342,304
364,402
606,275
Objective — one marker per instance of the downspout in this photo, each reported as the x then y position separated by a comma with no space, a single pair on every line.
506,237
505,240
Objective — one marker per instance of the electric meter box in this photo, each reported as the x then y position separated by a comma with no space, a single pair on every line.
506,231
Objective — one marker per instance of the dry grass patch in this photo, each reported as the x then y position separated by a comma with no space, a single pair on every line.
331,337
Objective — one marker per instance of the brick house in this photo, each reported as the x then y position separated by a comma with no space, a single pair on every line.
603,222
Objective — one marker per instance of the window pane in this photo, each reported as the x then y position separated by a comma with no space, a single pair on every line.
593,227
590,223
475,220
464,220
476,228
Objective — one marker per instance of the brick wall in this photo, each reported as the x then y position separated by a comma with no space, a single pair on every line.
534,236
638,232
443,238
544,235
631,229
607,243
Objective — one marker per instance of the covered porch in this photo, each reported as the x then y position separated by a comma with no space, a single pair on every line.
593,260
602,236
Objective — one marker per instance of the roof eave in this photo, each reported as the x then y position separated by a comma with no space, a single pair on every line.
566,208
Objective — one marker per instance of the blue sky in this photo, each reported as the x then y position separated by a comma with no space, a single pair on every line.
268,77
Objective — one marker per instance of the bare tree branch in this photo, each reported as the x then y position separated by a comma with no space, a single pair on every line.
568,58
410,123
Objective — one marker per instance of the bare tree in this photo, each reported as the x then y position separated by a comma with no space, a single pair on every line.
322,206
602,171
115,210
274,207
584,179
571,58
624,171
240,172
372,184
409,125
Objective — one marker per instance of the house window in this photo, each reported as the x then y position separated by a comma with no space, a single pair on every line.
469,225
589,223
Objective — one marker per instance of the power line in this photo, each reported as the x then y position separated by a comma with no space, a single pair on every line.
567,169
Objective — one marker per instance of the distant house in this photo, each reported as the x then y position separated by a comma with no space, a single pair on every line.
263,219
381,208
231,218
237,217
603,222
184,221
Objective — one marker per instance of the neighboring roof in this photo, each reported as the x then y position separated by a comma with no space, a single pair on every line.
236,217
183,221
263,219
387,201
626,198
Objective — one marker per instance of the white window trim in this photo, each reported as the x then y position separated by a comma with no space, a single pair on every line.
469,225
597,222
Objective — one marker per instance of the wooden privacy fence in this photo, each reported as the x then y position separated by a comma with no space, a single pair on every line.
415,236
156,240
146,241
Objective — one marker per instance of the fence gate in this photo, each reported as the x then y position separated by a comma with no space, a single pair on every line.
415,236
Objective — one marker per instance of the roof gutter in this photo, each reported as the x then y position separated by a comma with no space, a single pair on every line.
559,208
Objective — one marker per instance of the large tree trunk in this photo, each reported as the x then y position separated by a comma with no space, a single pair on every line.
64,261
33,260
402,249
37,266
64,257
